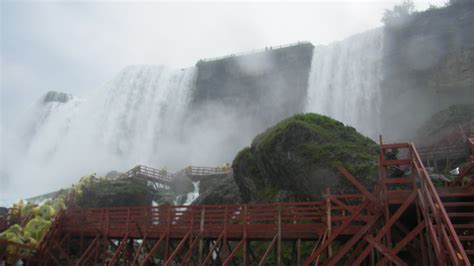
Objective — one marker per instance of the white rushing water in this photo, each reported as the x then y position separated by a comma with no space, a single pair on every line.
134,119
187,199
345,80
192,196
139,118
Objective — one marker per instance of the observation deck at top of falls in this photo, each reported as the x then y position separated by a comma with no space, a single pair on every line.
256,51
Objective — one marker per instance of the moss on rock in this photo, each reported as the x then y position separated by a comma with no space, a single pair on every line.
111,193
298,158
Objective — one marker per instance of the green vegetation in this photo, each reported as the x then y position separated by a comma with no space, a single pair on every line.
104,193
298,157
398,13
40,218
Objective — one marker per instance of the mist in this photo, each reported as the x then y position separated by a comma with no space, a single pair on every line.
131,92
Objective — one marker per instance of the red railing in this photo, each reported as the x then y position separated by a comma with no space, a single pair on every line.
194,171
301,220
442,234
442,152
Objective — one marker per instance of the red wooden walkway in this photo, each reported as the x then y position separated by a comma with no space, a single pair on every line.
403,220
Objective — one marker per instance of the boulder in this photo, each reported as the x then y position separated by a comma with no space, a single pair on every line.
297,159
104,193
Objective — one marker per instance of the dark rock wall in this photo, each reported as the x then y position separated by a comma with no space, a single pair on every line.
428,66
267,86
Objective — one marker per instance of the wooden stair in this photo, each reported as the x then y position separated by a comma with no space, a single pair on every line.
460,208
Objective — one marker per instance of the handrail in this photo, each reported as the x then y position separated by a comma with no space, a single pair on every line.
202,171
470,142
254,51
431,195
166,178
182,218
447,151
144,171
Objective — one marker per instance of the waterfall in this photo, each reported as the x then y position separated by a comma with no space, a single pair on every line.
134,119
192,195
344,82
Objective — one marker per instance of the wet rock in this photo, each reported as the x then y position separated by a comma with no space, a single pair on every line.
298,158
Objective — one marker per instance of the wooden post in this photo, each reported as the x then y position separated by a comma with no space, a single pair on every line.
298,251
224,241
298,246
328,220
424,255
201,230
245,237
278,258
167,243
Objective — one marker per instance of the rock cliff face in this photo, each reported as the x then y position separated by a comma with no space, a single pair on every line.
268,86
449,127
428,66
218,189
54,96
297,159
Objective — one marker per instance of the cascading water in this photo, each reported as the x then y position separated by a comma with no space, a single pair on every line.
192,196
135,119
187,199
139,118
345,80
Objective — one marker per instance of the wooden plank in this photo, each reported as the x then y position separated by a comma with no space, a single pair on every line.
394,146
349,244
399,180
396,162
359,186
402,243
386,227
385,251
336,233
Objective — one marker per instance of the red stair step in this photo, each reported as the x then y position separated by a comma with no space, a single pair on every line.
466,238
460,214
458,204
463,226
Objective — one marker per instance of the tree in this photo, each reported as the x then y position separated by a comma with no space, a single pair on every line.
457,2
399,13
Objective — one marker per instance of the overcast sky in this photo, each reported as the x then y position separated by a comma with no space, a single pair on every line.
77,47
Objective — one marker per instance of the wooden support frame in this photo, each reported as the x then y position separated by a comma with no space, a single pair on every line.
234,252
336,233
188,254
402,243
117,252
267,251
83,259
176,250
349,244
154,248
213,248
386,227
352,217
385,251
137,253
